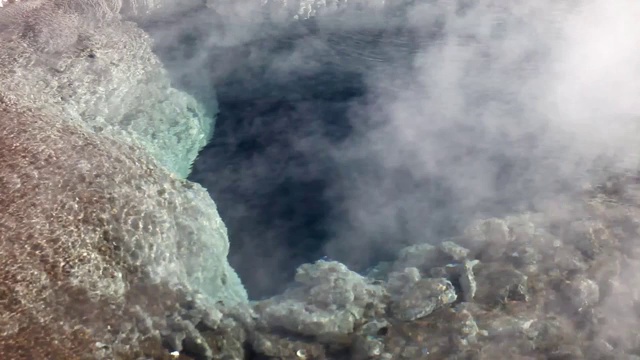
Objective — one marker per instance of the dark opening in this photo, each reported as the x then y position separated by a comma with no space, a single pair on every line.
286,102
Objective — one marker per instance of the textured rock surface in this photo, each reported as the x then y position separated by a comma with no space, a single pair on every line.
86,222
460,300
106,252
328,303
102,250
104,76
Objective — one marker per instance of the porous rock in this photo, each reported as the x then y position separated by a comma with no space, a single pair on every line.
423,298
501,284
328,301
101,75
90,226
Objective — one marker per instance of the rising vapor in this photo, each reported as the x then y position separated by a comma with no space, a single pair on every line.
470,109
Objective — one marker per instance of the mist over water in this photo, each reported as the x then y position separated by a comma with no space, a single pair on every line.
356,133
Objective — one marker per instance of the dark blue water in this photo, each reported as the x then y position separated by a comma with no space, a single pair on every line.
269,166
274,166
269,173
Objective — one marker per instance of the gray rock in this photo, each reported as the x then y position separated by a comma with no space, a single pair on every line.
398,281
330,280
421,256
455,251
583,292
367,347
286,347
422,299
462,273
526,256
195,344
126,231
489,238
568,258
590,237
501,285
328,302
211,318
174,339
521,227
380,271
490,230
305,319
374,327
467,280
507,326
447,272
464,328
96,80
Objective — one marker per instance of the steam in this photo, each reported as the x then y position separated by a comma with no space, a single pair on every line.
472,109
505,105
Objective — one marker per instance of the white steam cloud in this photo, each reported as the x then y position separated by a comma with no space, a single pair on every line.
506,104
473,108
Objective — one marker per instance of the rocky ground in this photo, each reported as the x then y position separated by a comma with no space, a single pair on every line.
528,286
92,216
